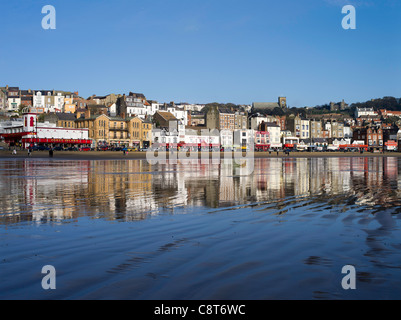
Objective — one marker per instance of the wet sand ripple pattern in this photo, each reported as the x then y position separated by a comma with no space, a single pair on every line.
127,230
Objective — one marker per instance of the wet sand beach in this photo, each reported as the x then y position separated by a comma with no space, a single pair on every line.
118,230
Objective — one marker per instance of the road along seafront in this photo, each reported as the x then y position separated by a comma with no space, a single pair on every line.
99,155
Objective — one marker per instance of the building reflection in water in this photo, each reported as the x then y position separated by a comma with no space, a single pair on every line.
47,191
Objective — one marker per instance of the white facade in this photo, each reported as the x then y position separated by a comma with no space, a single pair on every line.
38,100
327,127
153,107
113,110
304,130
10,124
180,114
190,107
187,137
227,138
48,130
58,102
243,137
13,103
364,112
274,135
347,132
138,111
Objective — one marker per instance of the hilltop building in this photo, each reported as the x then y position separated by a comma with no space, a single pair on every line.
263,107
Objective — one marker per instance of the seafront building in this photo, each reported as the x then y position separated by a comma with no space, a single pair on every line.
30,133
133,121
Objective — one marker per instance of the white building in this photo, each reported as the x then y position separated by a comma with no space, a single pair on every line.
190,107
365,112
274,135
29,132
255,121
244,138
347,132
180,113
153,107
226,139
58,101
39,101
304,133
13,103
137,111
182,137
10,124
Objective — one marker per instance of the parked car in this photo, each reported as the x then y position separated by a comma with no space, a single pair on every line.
85,149
2,148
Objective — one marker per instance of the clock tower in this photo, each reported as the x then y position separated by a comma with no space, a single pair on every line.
282,101
30,119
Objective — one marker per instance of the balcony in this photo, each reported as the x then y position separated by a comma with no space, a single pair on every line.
118,129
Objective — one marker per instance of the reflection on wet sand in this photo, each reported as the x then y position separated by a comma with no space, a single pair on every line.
46,191
206,231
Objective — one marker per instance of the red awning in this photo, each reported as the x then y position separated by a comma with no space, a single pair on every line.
391,143
64,141
343,146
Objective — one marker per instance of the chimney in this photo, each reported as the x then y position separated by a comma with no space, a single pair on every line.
123,115
87,114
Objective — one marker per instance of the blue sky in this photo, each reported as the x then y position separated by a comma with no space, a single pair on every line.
204,51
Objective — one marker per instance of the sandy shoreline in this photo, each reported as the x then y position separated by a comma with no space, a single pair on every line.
115,155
